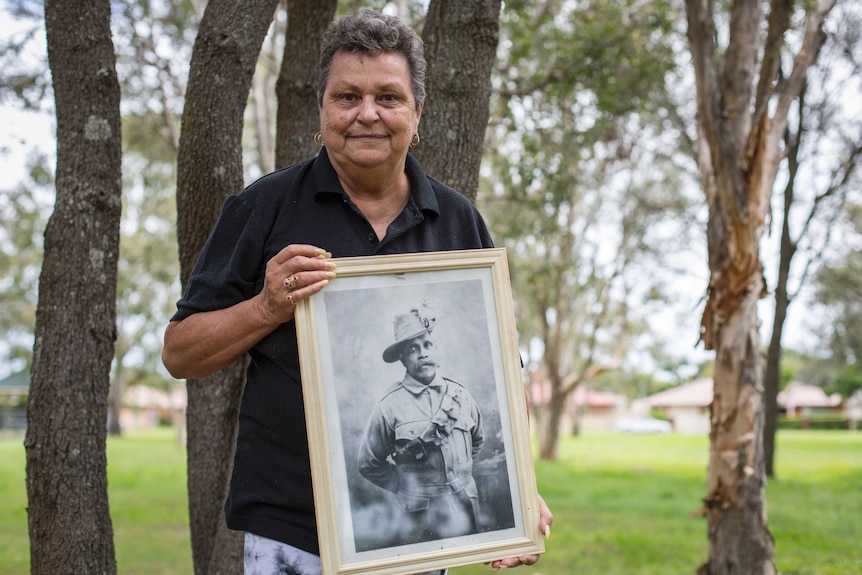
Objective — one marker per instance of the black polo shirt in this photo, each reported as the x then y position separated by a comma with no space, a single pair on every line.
270,492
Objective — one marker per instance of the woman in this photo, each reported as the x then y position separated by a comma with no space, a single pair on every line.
363,194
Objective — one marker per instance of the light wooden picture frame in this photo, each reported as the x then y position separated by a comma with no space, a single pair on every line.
342,333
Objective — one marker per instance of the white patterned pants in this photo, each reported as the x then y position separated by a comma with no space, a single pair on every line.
264,556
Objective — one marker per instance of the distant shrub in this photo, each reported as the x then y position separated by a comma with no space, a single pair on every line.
830,421
659,414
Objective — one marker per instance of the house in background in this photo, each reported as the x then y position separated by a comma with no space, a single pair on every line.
800,400
597,410
686,406
853,410
13,401
146,407
586,409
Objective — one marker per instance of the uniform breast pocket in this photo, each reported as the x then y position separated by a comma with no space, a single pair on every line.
462,439
407,430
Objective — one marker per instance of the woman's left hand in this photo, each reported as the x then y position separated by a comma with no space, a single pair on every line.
545,520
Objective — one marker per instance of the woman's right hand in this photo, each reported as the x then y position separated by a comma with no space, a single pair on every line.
206,342
295,273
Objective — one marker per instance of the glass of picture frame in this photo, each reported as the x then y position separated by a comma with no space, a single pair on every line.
366,529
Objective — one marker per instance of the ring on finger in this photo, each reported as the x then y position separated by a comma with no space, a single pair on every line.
290,282
290,298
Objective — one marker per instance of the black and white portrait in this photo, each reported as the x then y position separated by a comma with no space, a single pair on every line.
418,432
419,481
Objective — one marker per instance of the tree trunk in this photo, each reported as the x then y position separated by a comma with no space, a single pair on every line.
738,159
117,388
460,48
296,88
739,539
772,378
211,419
115,406
782,299
549,431
209,166
773,356
69,522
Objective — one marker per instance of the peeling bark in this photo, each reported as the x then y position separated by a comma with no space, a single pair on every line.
738,158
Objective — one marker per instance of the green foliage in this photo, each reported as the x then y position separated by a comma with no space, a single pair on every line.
19,401
840,292
631,384
148,268
705,369
793,365
617,52
153,43
147,271
24,76
581,176
839,295
414,9
848,381
23,216
147,135
832,421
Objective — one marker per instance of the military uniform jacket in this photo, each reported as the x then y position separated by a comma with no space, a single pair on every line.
421,441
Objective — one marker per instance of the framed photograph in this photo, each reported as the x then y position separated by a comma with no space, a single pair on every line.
416,412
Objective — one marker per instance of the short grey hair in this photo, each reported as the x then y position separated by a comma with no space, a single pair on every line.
371,33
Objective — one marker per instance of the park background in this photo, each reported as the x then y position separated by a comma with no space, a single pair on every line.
656,293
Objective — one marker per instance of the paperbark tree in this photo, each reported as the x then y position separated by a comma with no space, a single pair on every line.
69,524
209,168
742,116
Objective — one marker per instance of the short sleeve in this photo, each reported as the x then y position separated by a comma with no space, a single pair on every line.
230,265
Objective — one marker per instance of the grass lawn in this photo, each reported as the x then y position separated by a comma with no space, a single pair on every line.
623,505
147,494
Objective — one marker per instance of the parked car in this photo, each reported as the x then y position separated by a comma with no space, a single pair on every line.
643,424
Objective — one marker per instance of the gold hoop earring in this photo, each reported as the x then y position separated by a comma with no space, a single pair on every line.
414,141
318,139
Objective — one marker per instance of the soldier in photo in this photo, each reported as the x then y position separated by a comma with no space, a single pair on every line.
422,438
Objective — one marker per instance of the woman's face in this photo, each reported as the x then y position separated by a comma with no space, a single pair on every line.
368,115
